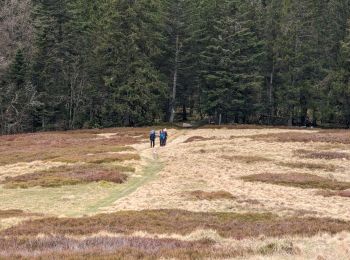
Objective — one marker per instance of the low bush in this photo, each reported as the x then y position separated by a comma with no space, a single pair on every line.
331,193
322,155
238,226
246,158
310,166
325,136
66,175
198,138
215,195
301,180
67,146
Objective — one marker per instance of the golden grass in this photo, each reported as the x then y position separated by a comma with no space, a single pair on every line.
215,195
187,169
15,213
301,180
72,200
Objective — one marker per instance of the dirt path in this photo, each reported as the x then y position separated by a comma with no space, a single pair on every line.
151,164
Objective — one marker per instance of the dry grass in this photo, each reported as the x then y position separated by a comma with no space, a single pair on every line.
325,136
238,126
198,138
246,158
215,195
99,158
168,234
237,226
272,248
65,145
322,155
310,166
301,180
68,175
15,213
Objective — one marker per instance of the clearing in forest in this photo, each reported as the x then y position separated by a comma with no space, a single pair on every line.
231,192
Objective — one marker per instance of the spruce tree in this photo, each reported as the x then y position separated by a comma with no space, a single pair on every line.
134,81
230,63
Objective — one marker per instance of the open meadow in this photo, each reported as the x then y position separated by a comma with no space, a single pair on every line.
217,193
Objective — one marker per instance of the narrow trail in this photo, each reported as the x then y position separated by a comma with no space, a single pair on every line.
152,165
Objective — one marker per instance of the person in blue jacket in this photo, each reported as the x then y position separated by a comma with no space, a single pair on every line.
161,137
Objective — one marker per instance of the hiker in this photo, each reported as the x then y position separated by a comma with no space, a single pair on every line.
152,137
161,137
165,136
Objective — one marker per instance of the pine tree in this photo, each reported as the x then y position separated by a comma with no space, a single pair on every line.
18,70
50,60
338,109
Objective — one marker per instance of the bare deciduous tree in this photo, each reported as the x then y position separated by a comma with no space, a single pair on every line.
16,30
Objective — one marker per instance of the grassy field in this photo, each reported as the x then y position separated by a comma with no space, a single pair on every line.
232,192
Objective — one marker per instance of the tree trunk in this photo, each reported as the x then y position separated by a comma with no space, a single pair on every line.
184,113
271,91
173,97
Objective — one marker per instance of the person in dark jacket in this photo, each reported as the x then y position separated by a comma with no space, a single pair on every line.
165,136
152,137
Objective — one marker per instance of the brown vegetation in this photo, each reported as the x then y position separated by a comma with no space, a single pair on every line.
301,180
215,195
237,126
198,138
68,175
310,166
322,155
232,225
66,146
102,247
271,248
246,159
326,136
331,193
99,158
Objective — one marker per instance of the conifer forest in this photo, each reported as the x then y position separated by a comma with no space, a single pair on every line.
72,64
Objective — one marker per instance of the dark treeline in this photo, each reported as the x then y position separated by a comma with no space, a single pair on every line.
67,64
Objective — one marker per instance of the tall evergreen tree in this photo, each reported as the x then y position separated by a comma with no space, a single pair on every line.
338,108
230,63
134,81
